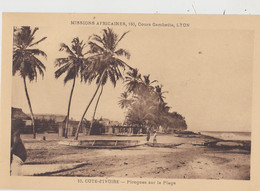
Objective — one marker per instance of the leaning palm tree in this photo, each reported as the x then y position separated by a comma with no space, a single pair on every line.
94,114
72,65
25,60
104,63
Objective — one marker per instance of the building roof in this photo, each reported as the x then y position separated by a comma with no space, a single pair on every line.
108,122
17,113
71,121
55,117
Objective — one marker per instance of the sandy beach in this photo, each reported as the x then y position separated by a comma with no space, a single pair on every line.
175,156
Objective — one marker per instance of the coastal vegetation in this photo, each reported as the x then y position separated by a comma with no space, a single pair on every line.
99,59
145,105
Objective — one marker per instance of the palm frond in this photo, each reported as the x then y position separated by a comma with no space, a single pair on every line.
65,47
124,63
112,78
17,61
25,36
104,78
38,63
122,52
121,38
118,73
61,61
36,52
153,81
39,66
35,43
27,70
95,48
34,31
109,38
62,70
98,39
71,74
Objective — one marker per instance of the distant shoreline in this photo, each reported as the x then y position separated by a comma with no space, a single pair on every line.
226,135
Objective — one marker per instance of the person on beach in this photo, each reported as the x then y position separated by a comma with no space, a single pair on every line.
155,137
148,136
18,152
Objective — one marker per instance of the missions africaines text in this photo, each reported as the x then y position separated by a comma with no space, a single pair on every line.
107,23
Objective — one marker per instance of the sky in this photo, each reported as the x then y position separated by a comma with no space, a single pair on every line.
207,73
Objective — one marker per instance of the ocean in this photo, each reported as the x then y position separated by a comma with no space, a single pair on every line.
226,135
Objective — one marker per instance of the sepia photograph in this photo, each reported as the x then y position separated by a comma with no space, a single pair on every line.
129,101
101,101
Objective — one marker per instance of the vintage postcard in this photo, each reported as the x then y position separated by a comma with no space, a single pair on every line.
130,102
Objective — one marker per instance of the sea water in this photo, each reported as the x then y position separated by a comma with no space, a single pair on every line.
228,135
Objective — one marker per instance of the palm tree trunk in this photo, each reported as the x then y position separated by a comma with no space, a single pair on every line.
68,113
77,132
30,106
91,125
125,113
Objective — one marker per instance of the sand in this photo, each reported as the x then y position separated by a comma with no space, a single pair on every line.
188,159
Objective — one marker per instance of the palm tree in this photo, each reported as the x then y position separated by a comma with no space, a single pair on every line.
125,102
104,62
159,93
72,65
148,107
93,117
141,113
133,81
147,84
25,60
146,90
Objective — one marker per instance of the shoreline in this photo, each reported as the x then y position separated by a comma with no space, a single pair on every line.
219,141
188,158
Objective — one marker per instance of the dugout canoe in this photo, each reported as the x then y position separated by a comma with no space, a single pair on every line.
102,144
